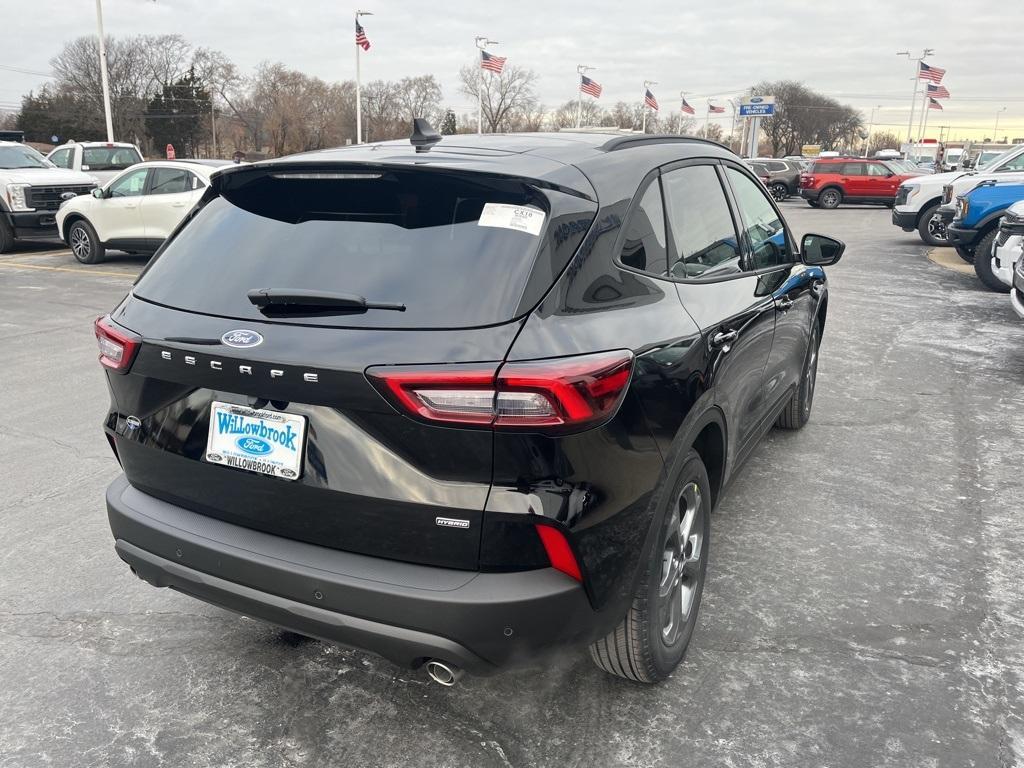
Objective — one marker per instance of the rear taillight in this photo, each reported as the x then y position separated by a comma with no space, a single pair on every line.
806,180
561,395
117,345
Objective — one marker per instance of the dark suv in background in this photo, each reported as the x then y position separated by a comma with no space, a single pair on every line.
460,402
784,176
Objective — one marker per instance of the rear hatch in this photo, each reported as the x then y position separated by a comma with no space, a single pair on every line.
248,398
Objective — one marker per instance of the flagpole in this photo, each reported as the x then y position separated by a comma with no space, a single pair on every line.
647,84
359,98
924,116
481,42
707,120
924,127
581,70
732,130
682,101
917,80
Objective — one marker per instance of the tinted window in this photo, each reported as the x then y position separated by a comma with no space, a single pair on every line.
61,158
458,249
703,236
170,181
765,233
853,169
110,158
777,166
827,167
129,185
644,246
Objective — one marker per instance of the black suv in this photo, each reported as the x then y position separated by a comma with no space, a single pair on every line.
460,402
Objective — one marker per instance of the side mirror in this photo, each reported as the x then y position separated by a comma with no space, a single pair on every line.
820,250
889,175
97,192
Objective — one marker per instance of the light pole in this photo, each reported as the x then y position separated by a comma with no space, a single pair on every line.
871,125
995,133
917,80
732,129
647,84
103,71
481,42
581,70
359,97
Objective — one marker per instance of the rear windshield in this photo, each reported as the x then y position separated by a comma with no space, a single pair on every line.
110,158
457,249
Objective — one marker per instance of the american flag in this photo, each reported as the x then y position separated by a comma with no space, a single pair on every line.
687,108
590,86
938,91
361,40
491,62
933,104
715,110
926,72
650,101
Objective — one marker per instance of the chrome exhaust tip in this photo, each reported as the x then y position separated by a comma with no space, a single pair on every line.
444,674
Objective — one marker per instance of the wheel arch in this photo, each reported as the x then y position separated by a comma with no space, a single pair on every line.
68,221
924,207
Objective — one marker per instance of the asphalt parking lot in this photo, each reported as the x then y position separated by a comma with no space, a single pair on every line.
864,603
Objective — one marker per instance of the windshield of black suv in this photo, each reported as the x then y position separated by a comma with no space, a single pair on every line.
20,156
457,249
109,158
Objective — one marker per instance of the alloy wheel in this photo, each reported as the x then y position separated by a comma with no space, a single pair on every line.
811,374
779,192
80,244
830,198
937,228
682,555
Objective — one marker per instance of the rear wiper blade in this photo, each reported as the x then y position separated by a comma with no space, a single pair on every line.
299,300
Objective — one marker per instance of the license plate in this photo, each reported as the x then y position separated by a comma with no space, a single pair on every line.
268,442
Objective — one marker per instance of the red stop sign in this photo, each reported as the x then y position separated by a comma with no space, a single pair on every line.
170,151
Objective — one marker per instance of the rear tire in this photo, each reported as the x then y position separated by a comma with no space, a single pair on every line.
931,228
830,198
964,253
6,237
983,264
798,410
651,640
85,244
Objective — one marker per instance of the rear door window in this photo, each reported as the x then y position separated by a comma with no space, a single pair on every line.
704,242
457,249
170,181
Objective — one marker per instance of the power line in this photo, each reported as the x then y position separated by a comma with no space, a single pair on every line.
9,68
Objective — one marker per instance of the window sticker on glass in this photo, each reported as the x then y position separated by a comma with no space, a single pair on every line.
521,219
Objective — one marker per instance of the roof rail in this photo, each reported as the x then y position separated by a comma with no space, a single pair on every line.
639,140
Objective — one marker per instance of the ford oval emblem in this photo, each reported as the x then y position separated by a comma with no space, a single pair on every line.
756,100
254,446
241,338
68,195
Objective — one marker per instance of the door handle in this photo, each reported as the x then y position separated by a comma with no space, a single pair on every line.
177,205
723,339
130,207
784,304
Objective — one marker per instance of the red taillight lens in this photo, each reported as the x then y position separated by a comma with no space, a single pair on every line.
562,394
117,345
558,550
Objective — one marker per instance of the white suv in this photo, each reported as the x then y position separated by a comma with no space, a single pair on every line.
101,159
918,199
135,211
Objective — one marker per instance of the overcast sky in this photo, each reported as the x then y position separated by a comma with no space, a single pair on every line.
711,48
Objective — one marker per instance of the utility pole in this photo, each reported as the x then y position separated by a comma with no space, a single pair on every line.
581,70
871,125
917,81
103,71
995,133
213,126
481,43
359,96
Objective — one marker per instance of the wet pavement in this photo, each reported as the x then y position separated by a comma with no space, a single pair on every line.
864,605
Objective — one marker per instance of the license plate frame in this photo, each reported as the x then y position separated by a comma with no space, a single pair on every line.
264,442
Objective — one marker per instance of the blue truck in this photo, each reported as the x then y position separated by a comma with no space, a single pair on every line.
975,225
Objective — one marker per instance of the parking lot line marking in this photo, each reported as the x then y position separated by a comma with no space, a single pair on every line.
100,273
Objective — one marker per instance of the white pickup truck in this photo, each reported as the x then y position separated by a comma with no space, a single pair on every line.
31,191
918,199
102,159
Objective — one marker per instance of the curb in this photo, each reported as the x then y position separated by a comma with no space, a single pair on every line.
946,257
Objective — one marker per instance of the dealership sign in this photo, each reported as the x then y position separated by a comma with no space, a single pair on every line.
757,106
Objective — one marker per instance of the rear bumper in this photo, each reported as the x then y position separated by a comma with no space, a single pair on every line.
809,194
905,220
404,612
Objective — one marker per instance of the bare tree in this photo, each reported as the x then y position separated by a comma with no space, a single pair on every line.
566,115
420,97
505,98
382,111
